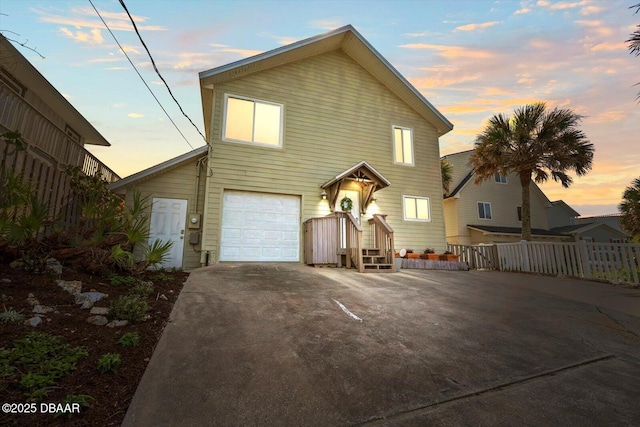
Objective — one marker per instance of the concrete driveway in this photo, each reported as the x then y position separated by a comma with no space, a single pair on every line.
290,345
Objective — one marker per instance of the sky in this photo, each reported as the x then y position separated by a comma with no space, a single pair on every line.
470,59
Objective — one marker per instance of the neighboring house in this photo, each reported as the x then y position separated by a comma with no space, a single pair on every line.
52,129
491,212
599,228
291,133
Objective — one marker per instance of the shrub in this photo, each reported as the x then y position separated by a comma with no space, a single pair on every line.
156,254
81,399
129,307
11,316
109,362
142,289
130,339
117,280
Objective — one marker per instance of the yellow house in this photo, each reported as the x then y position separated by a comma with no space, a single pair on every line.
305,131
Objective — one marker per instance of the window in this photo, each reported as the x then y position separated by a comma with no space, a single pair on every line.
500,179
75,136
402,146
416,208
252,121
484,210
519,213
8,79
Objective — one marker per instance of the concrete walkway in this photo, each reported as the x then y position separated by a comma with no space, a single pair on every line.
290,345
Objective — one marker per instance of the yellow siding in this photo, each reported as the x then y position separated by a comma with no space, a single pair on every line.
177,183
335,115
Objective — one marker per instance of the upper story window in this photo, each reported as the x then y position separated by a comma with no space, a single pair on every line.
75,136
402,146
484,210
416,208
252,121
8,79
500,179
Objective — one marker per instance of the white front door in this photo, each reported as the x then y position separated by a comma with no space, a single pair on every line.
167,223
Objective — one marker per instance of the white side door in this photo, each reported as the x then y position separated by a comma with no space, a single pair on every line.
167,223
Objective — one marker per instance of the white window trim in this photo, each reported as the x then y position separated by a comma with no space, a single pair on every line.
393,139
500,182
404,208
239,141
478,211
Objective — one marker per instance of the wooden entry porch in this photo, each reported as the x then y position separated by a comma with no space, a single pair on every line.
328,239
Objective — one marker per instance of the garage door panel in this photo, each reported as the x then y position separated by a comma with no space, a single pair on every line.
260,227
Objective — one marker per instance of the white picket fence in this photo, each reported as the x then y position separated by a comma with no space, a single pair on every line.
614,262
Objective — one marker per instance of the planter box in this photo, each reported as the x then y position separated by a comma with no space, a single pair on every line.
413,256
449,257
432,257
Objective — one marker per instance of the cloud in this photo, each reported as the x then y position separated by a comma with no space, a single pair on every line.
92,37
558,5
609,47
245,52
80,18
451,51
441,80
610,116
135,115
522,11
326,24
474,27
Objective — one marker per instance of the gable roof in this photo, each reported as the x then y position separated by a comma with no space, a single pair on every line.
490,229
15,63
351,43
563,205
158,169
363,169
583,228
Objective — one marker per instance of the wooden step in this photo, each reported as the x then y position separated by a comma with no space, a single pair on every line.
370,251
378,268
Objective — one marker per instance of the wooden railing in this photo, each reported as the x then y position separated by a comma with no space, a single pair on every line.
350,240
477,257
382,238
44,138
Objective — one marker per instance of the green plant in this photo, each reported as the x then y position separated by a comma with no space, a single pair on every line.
129,339
37,362
142,289
109,362
11,316
346,204
429,251
129,307
121,258
156,254
162,276
118,280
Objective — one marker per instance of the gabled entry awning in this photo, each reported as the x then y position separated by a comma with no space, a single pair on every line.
362,173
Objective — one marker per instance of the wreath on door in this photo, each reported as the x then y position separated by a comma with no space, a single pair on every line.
346,204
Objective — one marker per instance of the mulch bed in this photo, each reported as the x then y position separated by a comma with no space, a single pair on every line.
111,392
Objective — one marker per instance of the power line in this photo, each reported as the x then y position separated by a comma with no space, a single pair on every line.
139,75
158,71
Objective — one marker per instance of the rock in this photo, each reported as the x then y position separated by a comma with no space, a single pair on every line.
42,309
6,280
74,287
54,266
101,311
34,321
164,297
97,320
117,323
32,301
87,299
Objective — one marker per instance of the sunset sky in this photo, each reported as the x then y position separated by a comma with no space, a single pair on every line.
470,59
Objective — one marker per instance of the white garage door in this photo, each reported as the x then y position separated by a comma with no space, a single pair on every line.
260,227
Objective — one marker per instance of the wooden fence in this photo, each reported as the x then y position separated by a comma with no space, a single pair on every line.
614,262
478,257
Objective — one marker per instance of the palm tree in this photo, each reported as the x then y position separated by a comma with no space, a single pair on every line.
634,40
446,170
630,209
533,143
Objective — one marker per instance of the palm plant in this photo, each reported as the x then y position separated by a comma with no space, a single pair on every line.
446,170
634,40
630,209
533,143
